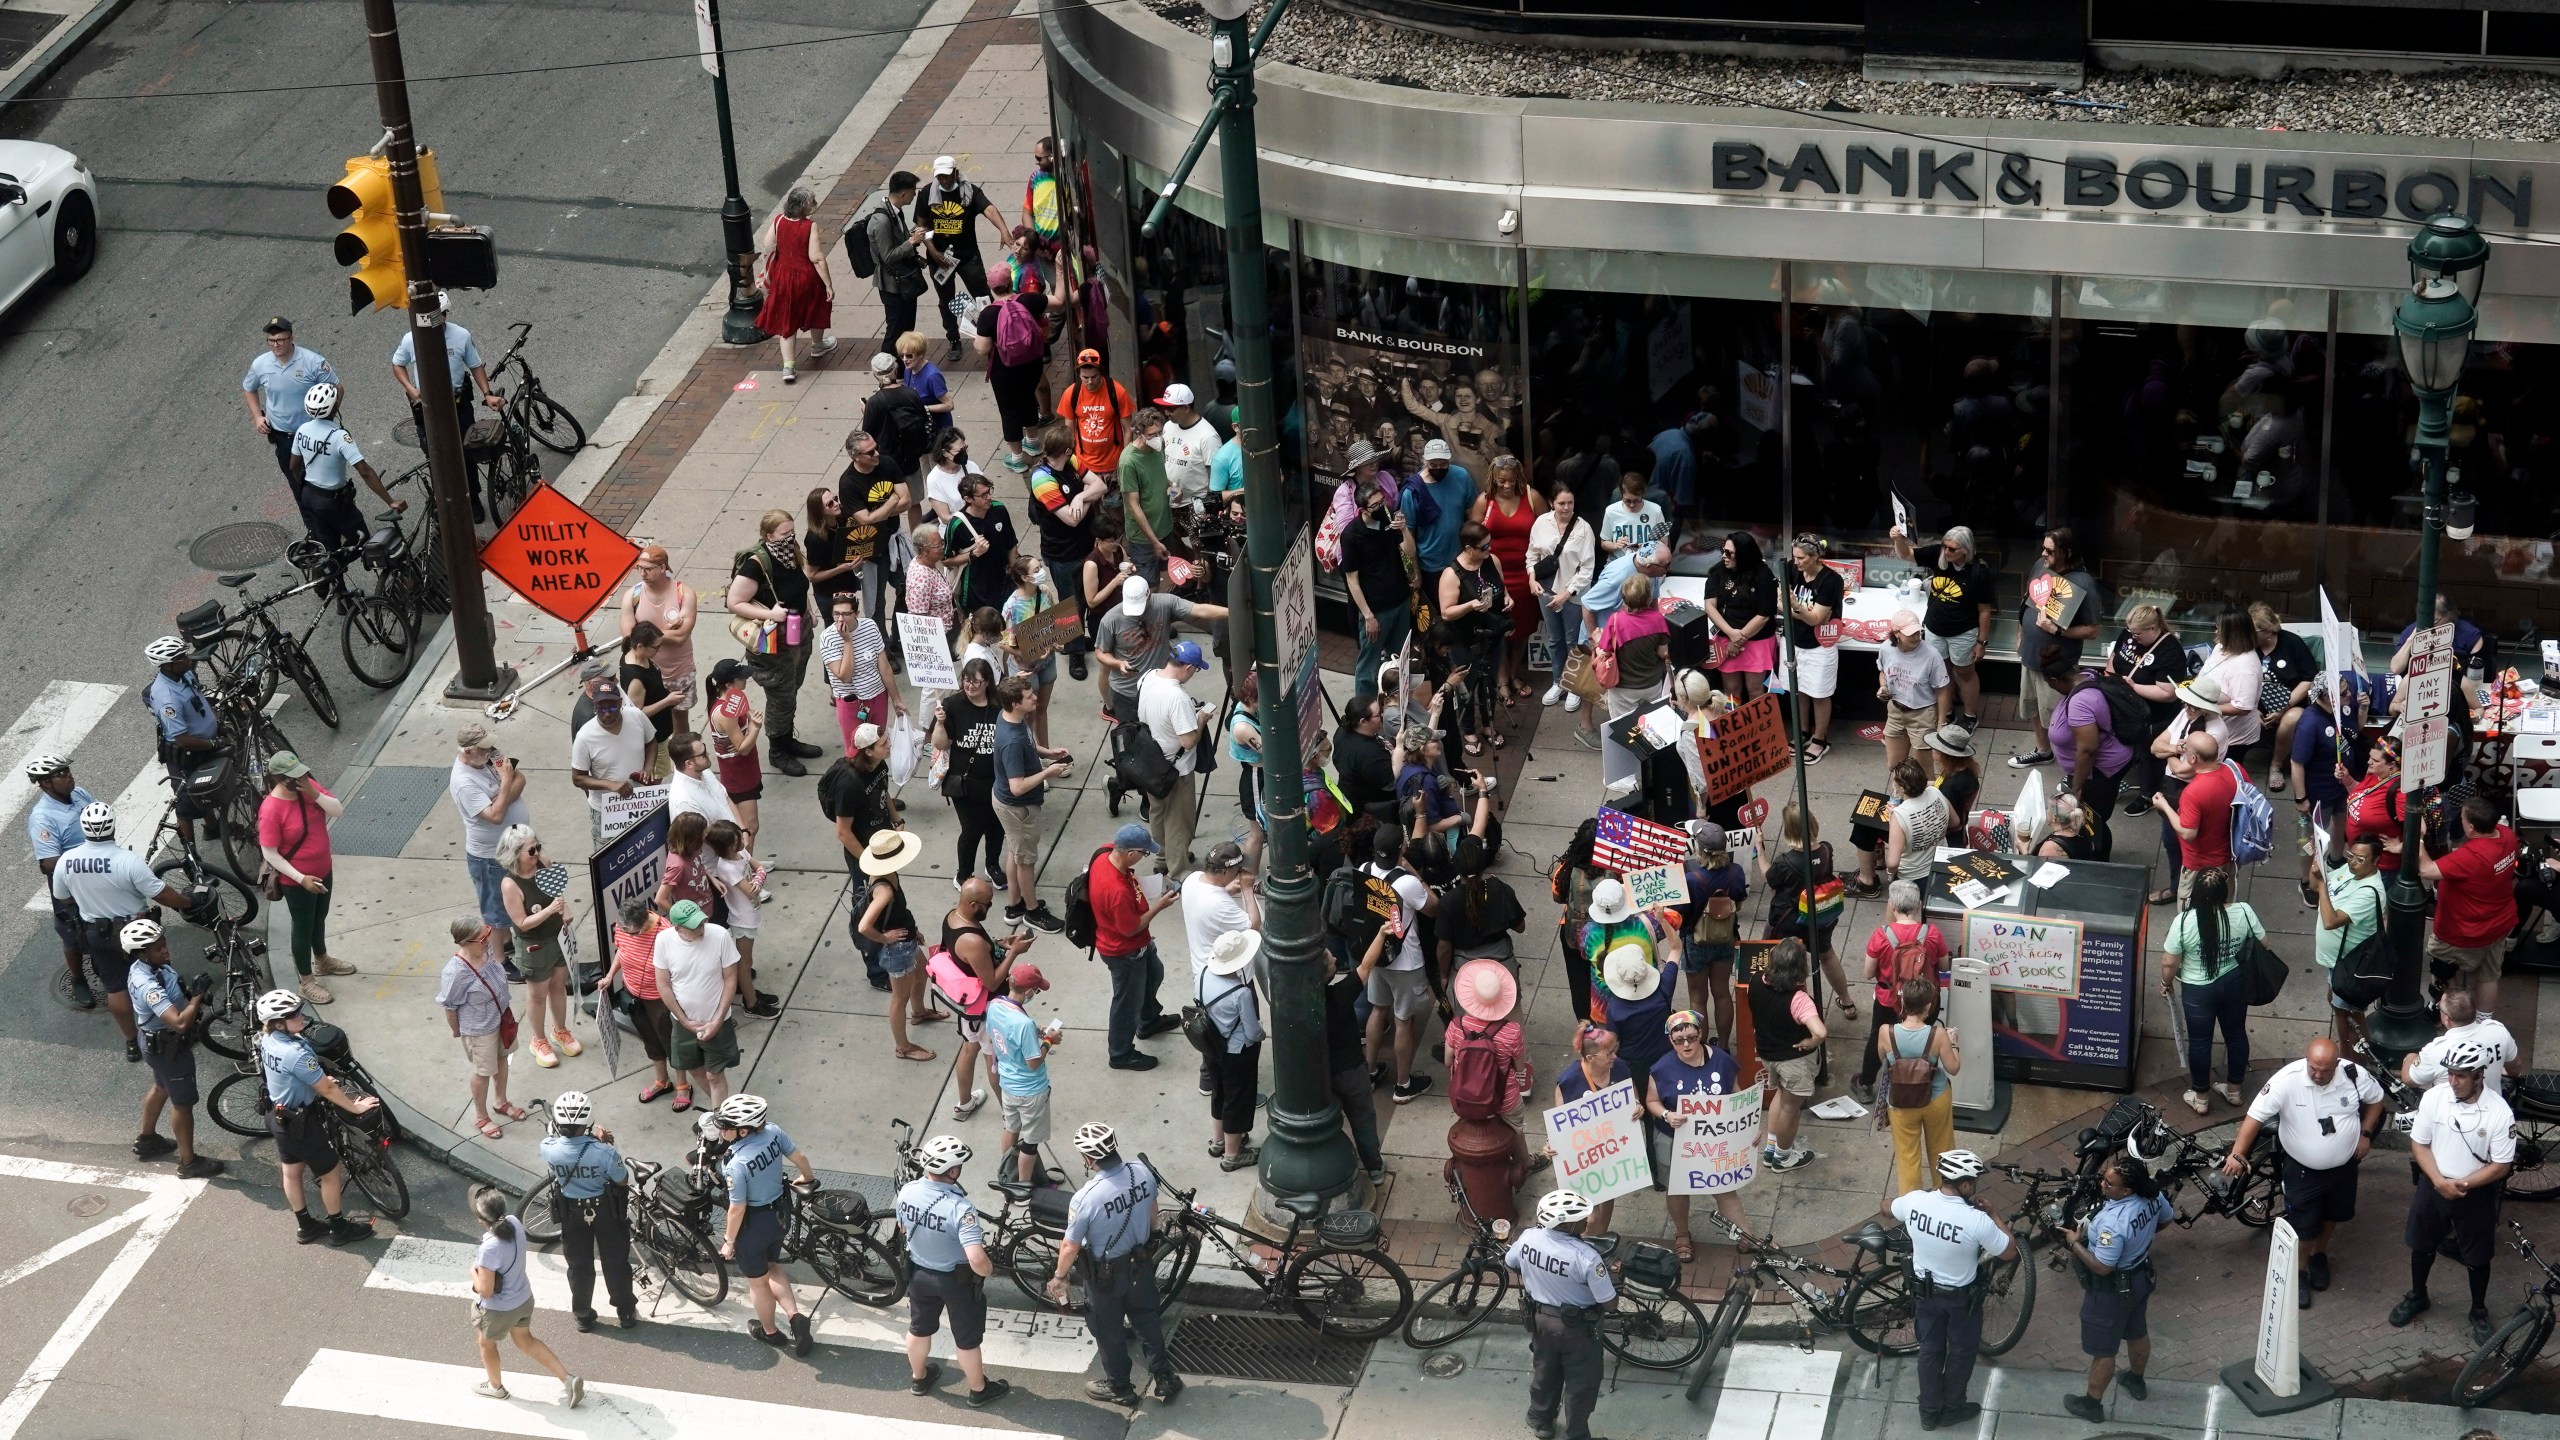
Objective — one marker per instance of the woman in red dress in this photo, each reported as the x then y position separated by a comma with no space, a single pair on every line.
1506,511
799,299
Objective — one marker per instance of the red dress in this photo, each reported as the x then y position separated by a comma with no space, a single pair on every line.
1510,539
795,298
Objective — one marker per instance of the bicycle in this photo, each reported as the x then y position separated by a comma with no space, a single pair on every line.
672,1235
229,1027
2513,1345
1340,1283
2054,1200
2536,1100
234,903
545,419
1874,1303
1652,1326
1452,1306
238,1101
1022,1236
416,574
2183,1163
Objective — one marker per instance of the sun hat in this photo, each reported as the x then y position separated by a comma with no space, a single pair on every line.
1609,902
1486,990
1630,972
2204,693
1950,740
1361,453
1232,952
891,851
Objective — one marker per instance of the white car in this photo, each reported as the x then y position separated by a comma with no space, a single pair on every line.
48,217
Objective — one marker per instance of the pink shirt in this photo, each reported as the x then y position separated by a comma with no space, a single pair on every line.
1511,1045
297,830
928,591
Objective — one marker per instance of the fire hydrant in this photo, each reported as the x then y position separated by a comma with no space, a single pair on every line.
1487,1158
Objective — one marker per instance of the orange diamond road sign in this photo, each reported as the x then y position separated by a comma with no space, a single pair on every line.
558,556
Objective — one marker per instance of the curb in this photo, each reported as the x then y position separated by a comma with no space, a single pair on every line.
64,46
464,1155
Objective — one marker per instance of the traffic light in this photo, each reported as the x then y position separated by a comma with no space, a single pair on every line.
371,241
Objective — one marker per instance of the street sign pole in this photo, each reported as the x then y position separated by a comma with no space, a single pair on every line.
737,226
2401,1023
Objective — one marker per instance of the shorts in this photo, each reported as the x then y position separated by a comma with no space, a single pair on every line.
1408,992
173,1068
1045,674
1796,1075
2315,1198
931,1292
759,1241
495,1325
538,963
1021,832
98,941
2472,1221
486,1055
2108,1319
302,1138
1699,955
485,875
688,1051
1961,649
1026,1117
1912,721
66,924
2480,962
752,792
972,1028
1818,670
743,933
896,958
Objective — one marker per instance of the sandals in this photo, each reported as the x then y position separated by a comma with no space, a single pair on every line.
969,1107
2276,783
653,1090
1815,749
914,1052
2197,1102
512,1112
1500,740
1683,1248
930,1017
1474,746
2161,897
489,1130
684,1099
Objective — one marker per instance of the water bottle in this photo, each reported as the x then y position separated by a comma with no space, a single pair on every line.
791,628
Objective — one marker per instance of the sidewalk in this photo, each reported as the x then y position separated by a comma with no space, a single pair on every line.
37,36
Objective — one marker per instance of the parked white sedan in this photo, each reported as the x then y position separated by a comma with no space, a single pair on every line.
48,217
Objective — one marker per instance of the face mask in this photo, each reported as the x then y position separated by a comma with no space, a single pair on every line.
960,458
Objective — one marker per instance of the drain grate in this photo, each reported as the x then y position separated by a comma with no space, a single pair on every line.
1262,1347
242,545
388,810
21,31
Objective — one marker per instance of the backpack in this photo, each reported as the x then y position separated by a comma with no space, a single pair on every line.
1082,930
1018,336
837,774
857,236
1138,762
907,430
1475,1073
1910,1080
1910,958
2253,820
2128,714
1345,900
1819,900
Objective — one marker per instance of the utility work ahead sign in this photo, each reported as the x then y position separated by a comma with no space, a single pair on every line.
558,556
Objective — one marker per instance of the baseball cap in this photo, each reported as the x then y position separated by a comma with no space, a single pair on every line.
687,915
1025,976
999,277
287,764
1187,652
1088,357
471,736
1176,395
1133,596
278,325
945,165
1435,450
1135,837
1905,623
865,736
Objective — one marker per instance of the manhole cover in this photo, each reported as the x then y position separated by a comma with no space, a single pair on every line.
1258,1347
406,432
242,545
1444,1366
88,1205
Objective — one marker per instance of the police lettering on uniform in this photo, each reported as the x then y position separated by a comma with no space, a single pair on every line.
592,1203
297,1084
2461,1149
53,827
2325,1110
108,886
948,1266
2463,1023
1110,1246
166,1017
326,464
1951,1235
1568,1285
2114,1251
754,1171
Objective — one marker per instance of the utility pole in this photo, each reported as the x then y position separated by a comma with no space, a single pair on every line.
480,677
1306,1151
737,226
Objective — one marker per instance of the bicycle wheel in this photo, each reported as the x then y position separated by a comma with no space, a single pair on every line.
549,421
239,1103
380,640
375,1170
512,476
1031,1258
1456,1303
1655,1332
2537,1171
233,900
2259,1198
1731,1311
2008,1296
1882,1318
2495,1365
854,1267
306,678
681,1258
541,1224
1175,1260
229,1031
1356,1294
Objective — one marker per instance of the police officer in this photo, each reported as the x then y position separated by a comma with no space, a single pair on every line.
166,1016
2461,1148
1111,1231
296,1086
274,387
593,1205
947,1266
1951,1234
1568,1285
2326,1111
753,1169
323,452
53,826
110,886
189,733
466,372
2114,1250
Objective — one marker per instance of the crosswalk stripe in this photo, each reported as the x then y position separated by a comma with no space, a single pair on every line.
137,808
386,1387
54,722
1016,1339
1770,1391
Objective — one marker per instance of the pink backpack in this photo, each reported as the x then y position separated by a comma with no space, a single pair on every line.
1018,335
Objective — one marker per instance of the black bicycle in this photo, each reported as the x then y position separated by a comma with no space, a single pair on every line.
412,573
1874,1303
1330,1270
1022,1234
238,1101
2513,1345
1452,1306
1652,1325
545,419
2189,1169
229,1025
675,1233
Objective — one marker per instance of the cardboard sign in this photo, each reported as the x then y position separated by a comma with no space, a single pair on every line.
1663,885
1043,634
559,557
1750,746
1715,1146
2030,954
927,651
621,812
1599,1144
628,867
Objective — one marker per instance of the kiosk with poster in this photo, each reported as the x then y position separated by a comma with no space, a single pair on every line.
2064,963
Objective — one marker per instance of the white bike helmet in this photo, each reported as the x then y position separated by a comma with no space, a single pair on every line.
2469,1055
43,764
1096,1141
1563,1207
166,649
740,1112
572,1107
98,820
275,1005
1959,1165
321,399
139,935
943,1154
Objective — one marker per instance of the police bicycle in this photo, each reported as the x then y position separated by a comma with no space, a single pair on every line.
1874,1302
412,572
2513,1345
1340,1280
1452,1306
229,1026
1651,1325
239,1104
827,1229
1022,1235
2189,1169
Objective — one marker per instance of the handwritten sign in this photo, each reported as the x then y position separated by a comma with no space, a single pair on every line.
1750,745
2033,954
1715,1145
1599,1144
927,651
1041,635
1663,885
621,812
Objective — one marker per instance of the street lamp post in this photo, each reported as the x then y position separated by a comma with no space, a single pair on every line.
2433,325
737,225
1306,1152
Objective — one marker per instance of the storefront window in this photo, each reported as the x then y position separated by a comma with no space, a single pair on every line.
1178,290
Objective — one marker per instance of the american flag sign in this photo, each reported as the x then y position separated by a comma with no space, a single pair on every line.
1624,842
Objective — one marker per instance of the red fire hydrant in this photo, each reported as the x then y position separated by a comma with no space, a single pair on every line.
1487,1158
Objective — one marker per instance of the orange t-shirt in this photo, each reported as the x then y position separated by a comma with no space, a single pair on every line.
1099,415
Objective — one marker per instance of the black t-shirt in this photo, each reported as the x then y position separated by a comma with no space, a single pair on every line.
1956,596
1958,788
857,491
2290,662
861,800
1343,1033
952,214
1361,767
653,688
826,551
972,732
983,581
777,584
1826,589
1377,557
1060,542
2165,662
1744,595
2075,604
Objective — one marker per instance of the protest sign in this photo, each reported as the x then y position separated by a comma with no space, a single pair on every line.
1750,745
2033,953
1660,886
1715,1145
1599,1144
621,812
1040,635
927,651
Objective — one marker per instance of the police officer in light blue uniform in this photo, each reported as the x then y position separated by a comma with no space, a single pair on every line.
592,1203
53,826
948,1266
325,465
2114,1251
167,1016
1952,1233
753,1170
189,732
1111,1232
1568,1285
462,364
296,1086
274,387
109,886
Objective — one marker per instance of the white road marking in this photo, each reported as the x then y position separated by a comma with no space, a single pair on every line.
65,1249
386,1387
160,1213
1774,1391
53,723
1016,1339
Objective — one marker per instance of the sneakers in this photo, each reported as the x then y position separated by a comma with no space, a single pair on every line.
2411,1306
585,1320
1242,1159
1013,914
1139,1061
765,1008
2085,1408
2197,1102
627,1317
826,346
542,1053
487,1391
774,1338
995,1391
203,1167
307,1228
2134,1385
328,965
151,1144
1791,1159
312,990
2230,1094
81,998
2031,760
802,1342
567,1044
1553,697
1586,739
573,1392
343,1231
1168,1385
1412,1090
923,1384
1041,918
1572,703
2317,1271
1110,1394
2479,1327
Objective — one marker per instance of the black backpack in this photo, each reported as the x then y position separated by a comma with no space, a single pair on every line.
837,774
1344,900
1081,929
906,431
1139,763
857,236
2127,713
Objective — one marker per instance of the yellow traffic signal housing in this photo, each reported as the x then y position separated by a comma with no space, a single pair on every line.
371,240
